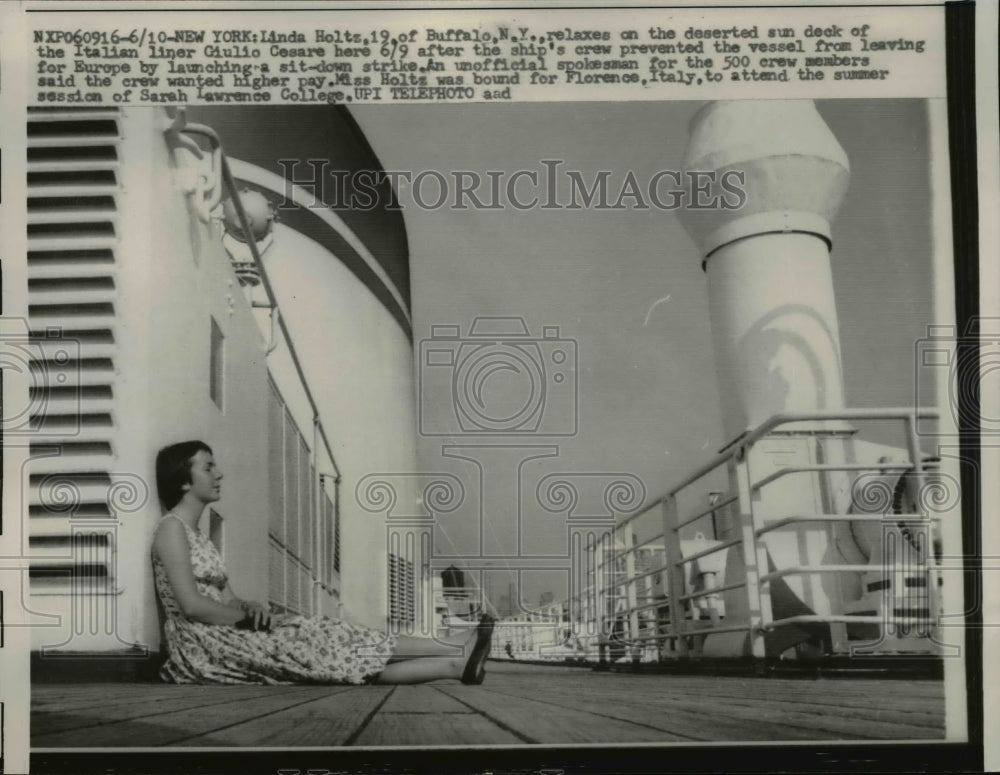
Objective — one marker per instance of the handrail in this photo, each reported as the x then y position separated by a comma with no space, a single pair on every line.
830,415
630,594
798,570
783,418
632,549
721,546
713,591
830,467
645,508
842,619
721,504
785,521
647,573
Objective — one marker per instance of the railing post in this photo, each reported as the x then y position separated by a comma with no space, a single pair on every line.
913,447
930,561
754,558
628,538
609,596
586,612
649,616
674,574
920,479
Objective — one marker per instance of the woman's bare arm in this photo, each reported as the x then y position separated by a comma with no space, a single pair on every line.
229,598
171,546
259,612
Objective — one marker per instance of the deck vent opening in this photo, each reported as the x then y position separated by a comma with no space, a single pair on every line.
70,153
74,128
72,178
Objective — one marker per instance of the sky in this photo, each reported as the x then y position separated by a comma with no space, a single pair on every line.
627,287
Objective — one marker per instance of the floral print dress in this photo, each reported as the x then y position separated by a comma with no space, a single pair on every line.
298,649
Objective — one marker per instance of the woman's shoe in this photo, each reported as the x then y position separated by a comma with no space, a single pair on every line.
475,668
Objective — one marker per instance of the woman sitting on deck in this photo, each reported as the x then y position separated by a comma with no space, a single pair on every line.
212,636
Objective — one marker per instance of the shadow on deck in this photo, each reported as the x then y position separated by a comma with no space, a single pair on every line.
518,704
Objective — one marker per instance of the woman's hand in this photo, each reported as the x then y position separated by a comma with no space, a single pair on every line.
260,614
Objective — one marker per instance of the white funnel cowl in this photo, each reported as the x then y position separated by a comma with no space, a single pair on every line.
774,319
796,172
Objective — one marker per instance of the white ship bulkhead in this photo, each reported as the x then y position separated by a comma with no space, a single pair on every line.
170,350
359,365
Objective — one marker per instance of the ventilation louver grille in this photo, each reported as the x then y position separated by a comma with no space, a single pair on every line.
402,608
73,242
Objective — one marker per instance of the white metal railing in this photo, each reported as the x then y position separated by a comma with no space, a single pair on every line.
637,602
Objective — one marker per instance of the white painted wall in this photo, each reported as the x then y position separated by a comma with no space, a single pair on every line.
358,362
190,281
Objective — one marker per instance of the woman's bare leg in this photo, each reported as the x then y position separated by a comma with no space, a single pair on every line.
408,647
415,671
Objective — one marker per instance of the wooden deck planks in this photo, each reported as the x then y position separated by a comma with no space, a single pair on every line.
48,719
422,729
892,699
112,694
716,719
541,722
690,723
172,727
422,699
518,704
897,693
42,696
331,720
889,697
928,715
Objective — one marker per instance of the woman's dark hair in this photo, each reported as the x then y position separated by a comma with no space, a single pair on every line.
173,469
